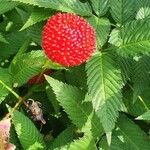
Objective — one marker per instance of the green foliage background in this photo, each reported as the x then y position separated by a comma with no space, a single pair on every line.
103,104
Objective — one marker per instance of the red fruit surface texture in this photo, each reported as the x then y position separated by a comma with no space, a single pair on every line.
38,79
68,39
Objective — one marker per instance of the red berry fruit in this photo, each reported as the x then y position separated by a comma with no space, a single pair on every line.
38,79
68,39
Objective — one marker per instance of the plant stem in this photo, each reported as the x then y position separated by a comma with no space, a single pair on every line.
20,99
140,98
9,89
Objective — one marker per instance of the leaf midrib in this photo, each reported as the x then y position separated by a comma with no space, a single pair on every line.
103,87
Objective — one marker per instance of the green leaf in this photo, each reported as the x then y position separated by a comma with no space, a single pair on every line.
145,116
100,6
7,79
15,41
22,50
73,6
143,9
102,28
14,21
143,13
36,16
81,114
84,143
36,145
135,38
30,64
52,99
35,32
123,11
125,65
6,6
116,144
140,75
14,139
2,39
115,38
63,138
132,136
27,133
70,99
93,126
26,66
140,105
105,83
74,75
127,136
24,12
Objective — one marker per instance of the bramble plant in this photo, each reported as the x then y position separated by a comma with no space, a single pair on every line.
74,74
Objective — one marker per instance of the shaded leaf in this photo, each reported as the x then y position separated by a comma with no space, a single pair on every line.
63,138
6,6
2,39
133,137
140,75
100,6
36,16
102,28
123,10
15,41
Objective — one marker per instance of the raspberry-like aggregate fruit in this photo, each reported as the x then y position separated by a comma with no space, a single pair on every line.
68,39
38,79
